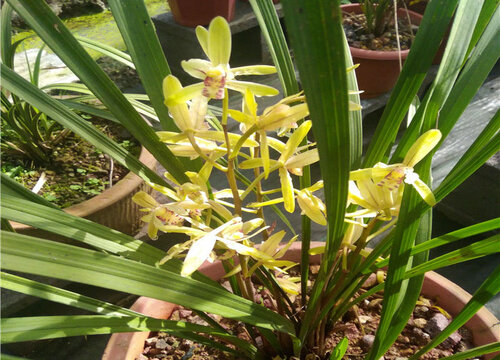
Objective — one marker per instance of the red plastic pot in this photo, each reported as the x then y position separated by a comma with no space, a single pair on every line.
378,71
484,326
200,12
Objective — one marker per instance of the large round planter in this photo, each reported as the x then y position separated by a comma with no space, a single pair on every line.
378,71
200,12
113,208
484,326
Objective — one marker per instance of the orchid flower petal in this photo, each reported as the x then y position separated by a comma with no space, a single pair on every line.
198,253
271,244
264,153
287,189
197,68
424,191
187,93
254,70
424,144
257,89
202,36
145,200
219,41
249,104
298,135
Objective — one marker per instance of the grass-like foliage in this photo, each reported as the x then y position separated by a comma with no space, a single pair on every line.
360,195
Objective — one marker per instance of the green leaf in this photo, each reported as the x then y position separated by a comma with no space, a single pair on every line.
485,16
453,236
51,327
12,188
430,32
7,51
61,296
485,146
339,351
411,292
10,357
395,288
489,288
140,37
314,28
112,272
54,33
473,251
481,61
475,352
34,96
426,117
270,25
107,50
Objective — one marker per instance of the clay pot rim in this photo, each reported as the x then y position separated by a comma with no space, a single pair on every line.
128,346
109,196
376,54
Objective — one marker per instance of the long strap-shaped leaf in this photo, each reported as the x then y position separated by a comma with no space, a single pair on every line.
489,288
453,236
475,352
53,32
31,255
6,36
405,233
485,146
487,12
139,35
478,66
270,25
50,327
107,50
463,26
317,39
10,187
478,249
430,32
68,119
15,208
61,296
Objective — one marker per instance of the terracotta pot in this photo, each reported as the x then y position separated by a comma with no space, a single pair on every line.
378,71
113,208
200,12
484,326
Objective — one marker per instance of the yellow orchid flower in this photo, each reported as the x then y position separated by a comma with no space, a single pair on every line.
270,254
228,236
287,162
379,190
216,72
187,119
161,216
312,206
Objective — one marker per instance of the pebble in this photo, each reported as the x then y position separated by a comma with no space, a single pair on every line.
367,342
436,324
375,303
452,340
161,344
370,282
420,322
421,311
314,269
421,337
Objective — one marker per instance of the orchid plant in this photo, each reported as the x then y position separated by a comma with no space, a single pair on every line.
360,196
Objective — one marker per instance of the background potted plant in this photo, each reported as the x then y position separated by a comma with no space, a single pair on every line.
376,44
34,142
199,12
136,267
